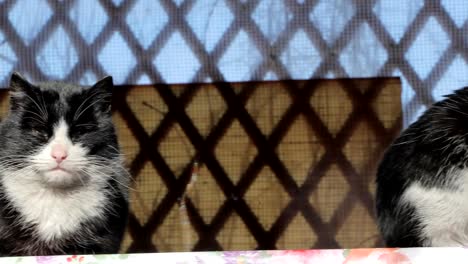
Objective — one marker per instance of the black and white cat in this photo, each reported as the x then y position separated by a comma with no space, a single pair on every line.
62,183
422,181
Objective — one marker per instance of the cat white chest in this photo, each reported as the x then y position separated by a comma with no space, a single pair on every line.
55,215
442,212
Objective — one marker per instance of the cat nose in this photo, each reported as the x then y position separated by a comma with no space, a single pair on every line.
59,153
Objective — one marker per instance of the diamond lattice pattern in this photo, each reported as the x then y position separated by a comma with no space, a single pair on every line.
173,41
214,171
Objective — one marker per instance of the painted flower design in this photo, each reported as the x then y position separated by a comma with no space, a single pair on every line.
334,256
75,259
376,255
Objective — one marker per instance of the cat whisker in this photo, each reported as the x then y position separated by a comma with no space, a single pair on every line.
102,171
25,156
44,105
11,163
78,110
18,159
117,151
90,105
105,163
94,173
81,179
41,118
25,172
44,114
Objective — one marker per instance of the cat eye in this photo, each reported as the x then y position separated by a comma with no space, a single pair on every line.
85,128
39,134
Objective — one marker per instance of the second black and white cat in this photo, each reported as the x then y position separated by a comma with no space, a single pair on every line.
422,181
62,183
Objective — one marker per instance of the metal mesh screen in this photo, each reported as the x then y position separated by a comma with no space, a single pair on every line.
181,41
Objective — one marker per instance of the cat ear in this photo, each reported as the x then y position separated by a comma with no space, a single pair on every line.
103,90
105,84
18,83
19,87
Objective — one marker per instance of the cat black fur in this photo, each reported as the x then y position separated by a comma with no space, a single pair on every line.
19,134
426,152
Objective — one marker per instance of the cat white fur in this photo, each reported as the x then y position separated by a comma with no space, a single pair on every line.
443,213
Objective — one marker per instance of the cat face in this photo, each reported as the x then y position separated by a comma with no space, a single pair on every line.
59,135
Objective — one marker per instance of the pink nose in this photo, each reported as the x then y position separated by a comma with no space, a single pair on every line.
59,153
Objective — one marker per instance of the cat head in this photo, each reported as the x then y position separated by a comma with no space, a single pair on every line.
58,134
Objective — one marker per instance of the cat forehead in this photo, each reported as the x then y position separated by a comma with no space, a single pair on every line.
62,89
56,96
60,94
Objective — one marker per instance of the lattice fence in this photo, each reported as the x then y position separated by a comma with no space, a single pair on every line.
281,164
181,41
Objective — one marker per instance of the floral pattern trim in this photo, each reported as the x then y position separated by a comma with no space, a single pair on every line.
341,256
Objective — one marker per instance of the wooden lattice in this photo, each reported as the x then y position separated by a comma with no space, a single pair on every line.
283,164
